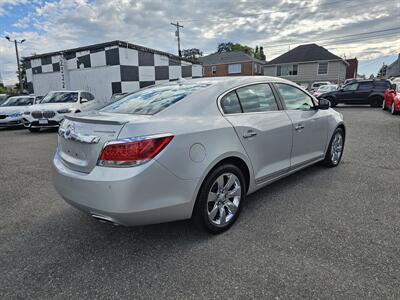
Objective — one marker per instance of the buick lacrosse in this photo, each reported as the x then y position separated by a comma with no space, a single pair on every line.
192,149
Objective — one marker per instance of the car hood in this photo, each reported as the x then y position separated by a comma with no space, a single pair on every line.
14,109
51,106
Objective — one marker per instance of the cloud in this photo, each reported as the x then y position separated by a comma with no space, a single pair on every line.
274,24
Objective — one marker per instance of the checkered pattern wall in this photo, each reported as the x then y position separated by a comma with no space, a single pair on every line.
136,68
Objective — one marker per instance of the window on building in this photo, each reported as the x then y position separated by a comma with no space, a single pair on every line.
213,70
294,98
234,69
287,70
257,98
322,68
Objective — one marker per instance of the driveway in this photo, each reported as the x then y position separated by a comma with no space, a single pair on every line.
320,233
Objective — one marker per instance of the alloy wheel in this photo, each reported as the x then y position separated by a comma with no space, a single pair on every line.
224,199
336,148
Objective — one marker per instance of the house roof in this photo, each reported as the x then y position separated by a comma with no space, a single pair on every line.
101,46
304,53
227,58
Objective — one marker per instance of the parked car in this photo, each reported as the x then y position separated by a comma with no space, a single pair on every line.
350,80
3,98
360,92
325,89
192,148
12,109
392,99
54,106
315,86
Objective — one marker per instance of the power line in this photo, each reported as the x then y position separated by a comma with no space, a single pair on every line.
337,37
281,10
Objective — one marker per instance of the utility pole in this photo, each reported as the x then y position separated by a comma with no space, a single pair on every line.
177,35
18,64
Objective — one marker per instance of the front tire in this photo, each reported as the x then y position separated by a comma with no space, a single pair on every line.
34,129
335,149
393,109
220,199
332,101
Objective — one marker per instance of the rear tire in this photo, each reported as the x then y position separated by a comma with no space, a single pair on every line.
34,129
375,101
220,199
335,149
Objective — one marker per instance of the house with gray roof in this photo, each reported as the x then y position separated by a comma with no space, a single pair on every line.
231,64
306,64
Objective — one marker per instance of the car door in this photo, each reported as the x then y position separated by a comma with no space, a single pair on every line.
309,125
263,128
362,93
346,94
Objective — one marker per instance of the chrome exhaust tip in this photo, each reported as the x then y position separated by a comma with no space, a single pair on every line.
104,219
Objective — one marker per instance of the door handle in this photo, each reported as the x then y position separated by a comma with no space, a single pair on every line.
299,127
249,134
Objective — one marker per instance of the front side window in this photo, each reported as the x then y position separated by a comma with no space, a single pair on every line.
230,104
294,98
322,68
60,97
287,70
350,87
153,100
257,98
234,68
18,101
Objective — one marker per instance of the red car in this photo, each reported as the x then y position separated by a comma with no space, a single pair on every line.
391,99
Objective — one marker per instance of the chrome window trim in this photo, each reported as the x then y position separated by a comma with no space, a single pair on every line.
220,97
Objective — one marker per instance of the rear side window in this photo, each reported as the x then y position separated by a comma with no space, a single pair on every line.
153,100
257,98
382,84
230,104
365,86
294,98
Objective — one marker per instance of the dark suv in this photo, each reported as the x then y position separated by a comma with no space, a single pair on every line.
360,92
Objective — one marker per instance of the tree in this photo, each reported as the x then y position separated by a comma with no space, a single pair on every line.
225,47
23,76
382,71
192,53
228,47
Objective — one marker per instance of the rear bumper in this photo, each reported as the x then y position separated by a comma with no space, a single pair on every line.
141,195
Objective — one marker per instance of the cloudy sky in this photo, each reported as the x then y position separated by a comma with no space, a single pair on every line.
366,29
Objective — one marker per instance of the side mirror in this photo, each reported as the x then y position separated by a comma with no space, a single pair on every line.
84,100
324,104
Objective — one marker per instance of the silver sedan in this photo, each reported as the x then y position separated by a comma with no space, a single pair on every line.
192,149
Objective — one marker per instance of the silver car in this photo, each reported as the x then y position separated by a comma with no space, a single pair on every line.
192,149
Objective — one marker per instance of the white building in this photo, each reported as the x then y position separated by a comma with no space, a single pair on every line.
105,69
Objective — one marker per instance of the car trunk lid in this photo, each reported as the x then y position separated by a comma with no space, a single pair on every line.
82,137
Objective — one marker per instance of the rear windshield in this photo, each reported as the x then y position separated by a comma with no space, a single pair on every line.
153,100
18,101
60,97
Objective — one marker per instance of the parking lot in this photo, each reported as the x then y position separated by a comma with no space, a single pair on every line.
320,233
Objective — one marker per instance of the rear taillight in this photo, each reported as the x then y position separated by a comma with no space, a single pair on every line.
133,152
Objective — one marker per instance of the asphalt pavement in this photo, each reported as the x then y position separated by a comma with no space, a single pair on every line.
320,233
